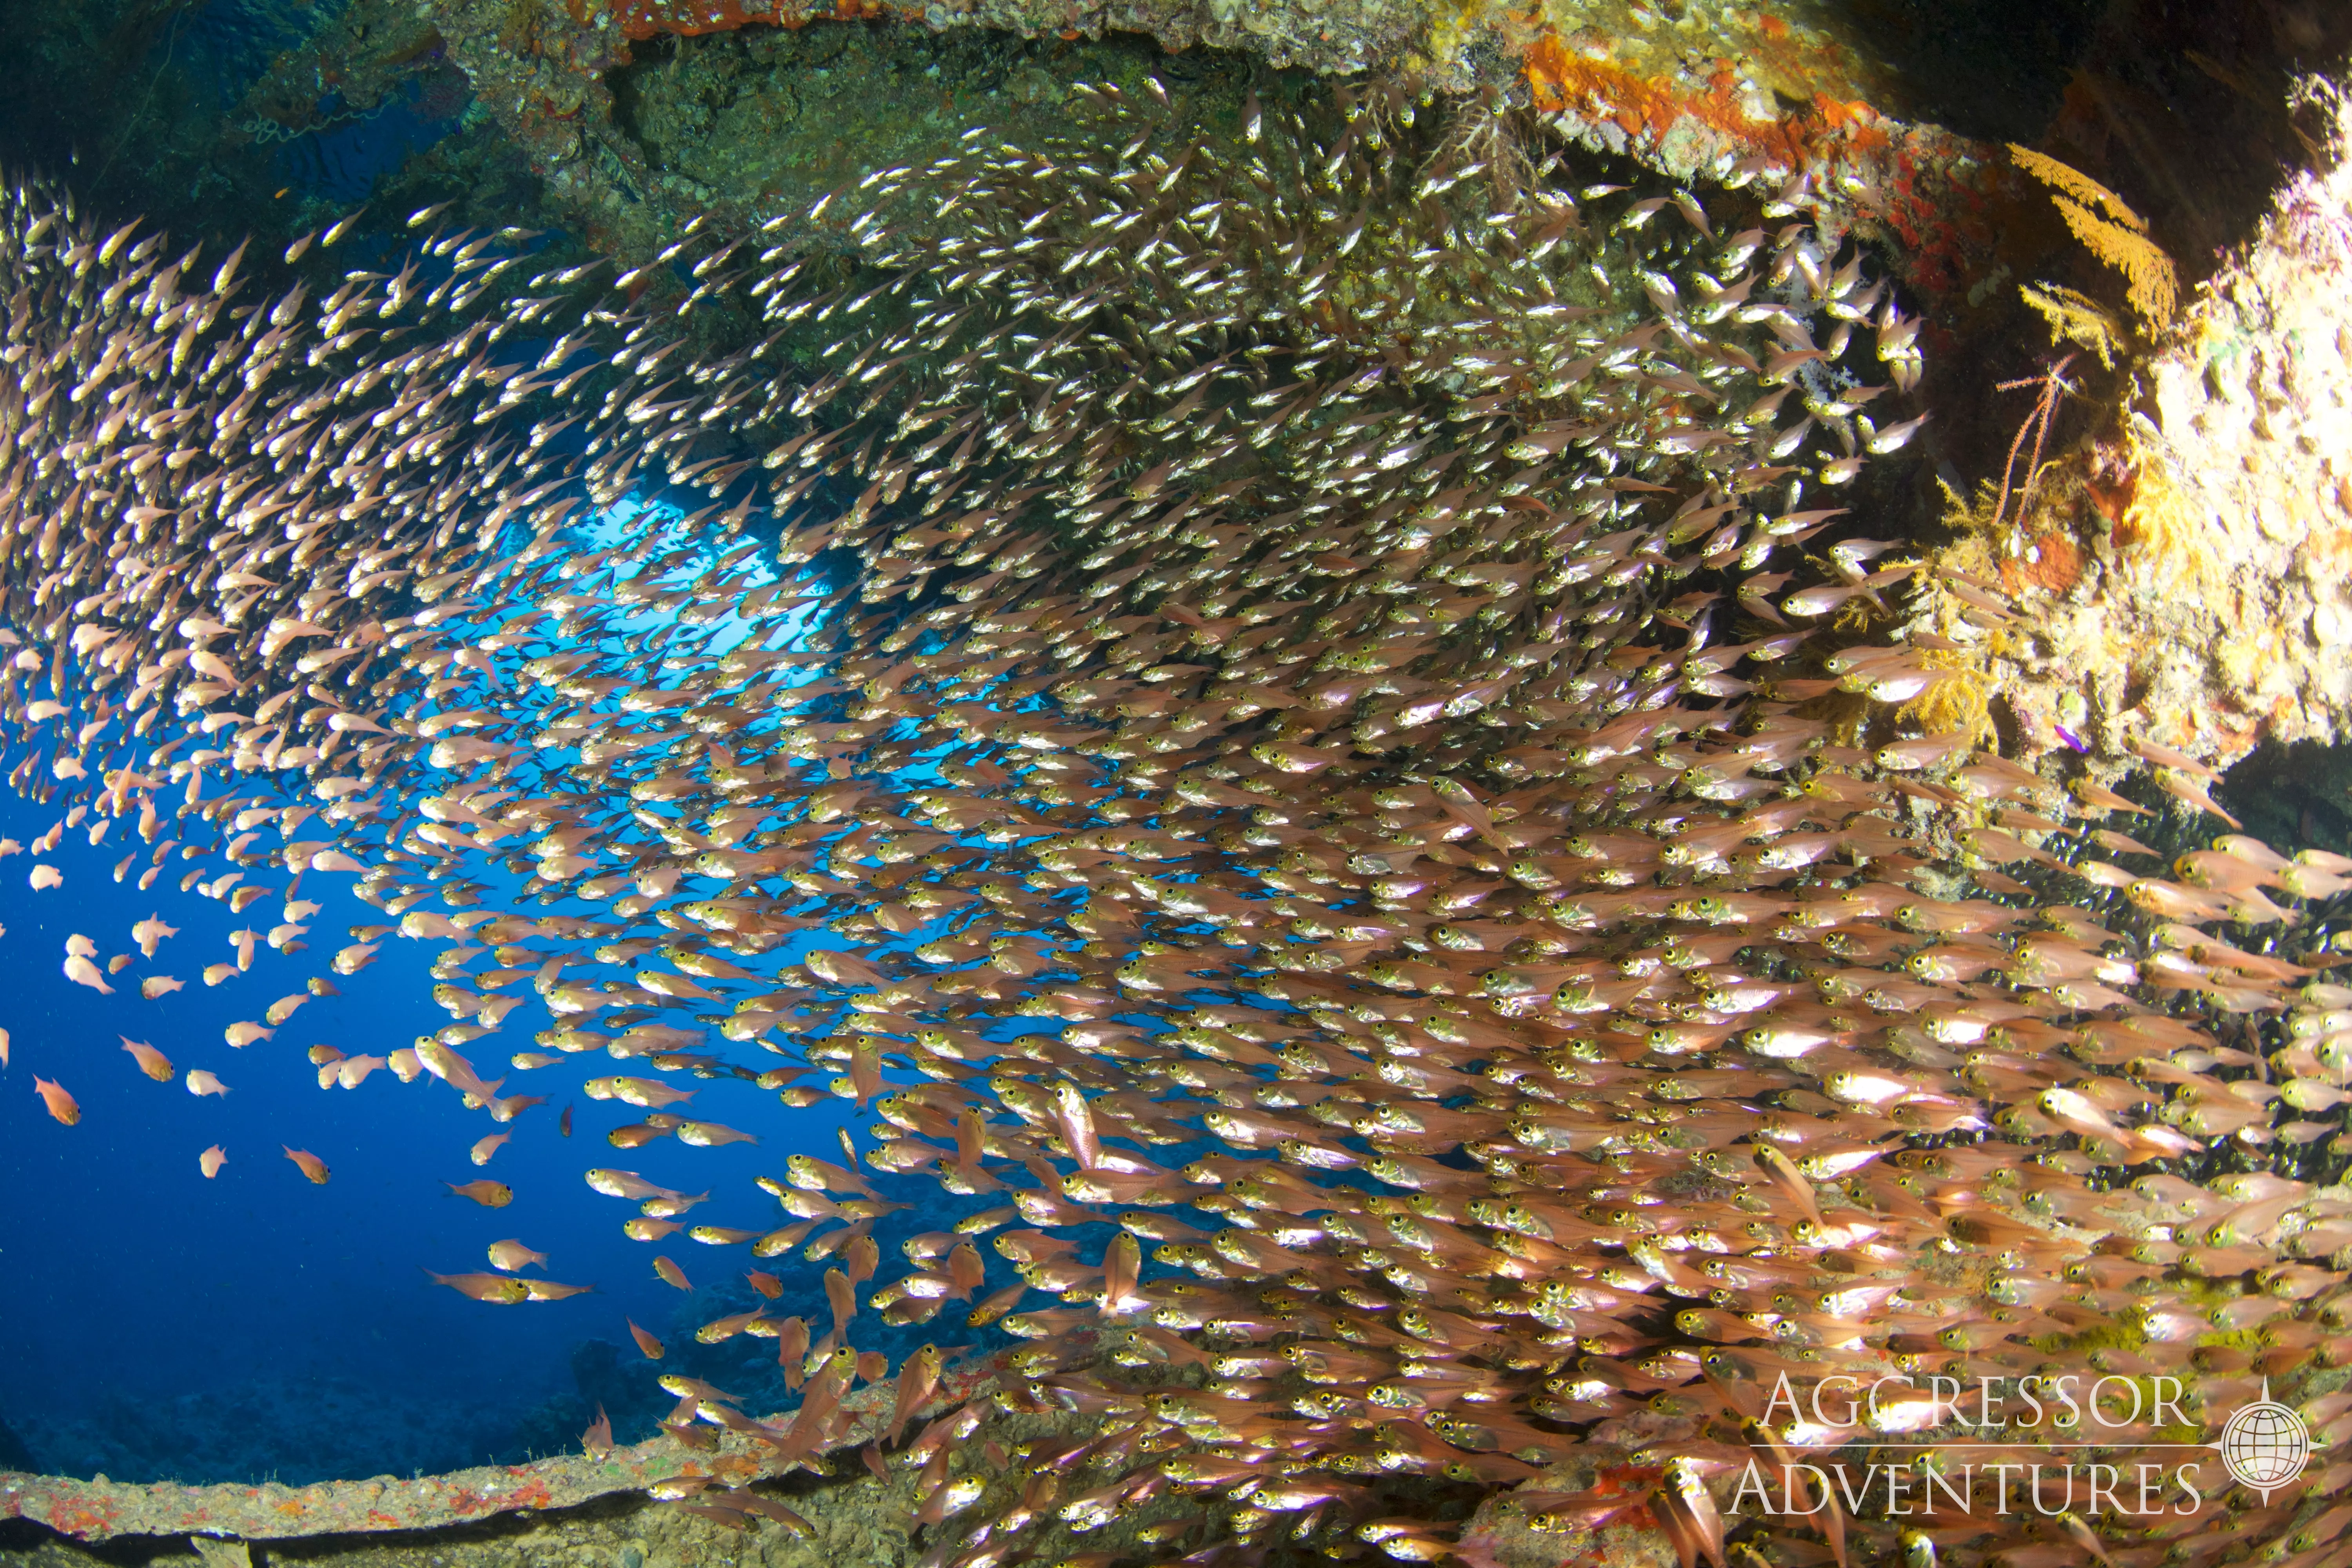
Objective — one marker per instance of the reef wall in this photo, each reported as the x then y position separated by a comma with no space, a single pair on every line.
2183,565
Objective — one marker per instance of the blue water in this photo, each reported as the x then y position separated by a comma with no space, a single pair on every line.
132,1278
161,1324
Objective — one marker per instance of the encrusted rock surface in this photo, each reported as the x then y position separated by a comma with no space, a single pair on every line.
98,1510
1689,88
2187,578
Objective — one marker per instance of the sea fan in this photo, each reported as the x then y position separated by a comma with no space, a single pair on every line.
2116,235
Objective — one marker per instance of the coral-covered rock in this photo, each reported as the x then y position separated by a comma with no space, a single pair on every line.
2186,575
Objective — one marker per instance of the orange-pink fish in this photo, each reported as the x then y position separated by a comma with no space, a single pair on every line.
352,1071
506,1256
151,1062
495,1288
61,1104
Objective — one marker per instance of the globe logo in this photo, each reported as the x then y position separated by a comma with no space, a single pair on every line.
2264,1446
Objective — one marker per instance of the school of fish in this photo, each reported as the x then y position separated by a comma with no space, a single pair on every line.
1315,631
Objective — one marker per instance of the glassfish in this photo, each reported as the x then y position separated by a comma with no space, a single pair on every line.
352,1071
918,1379
639,1091
488,1194
61,1104
509,1256
495,1288
151,1062
710,1134
150,933
548,1291
625,1184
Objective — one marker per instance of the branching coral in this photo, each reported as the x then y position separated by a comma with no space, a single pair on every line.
2074,317
2115,234
2050,390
